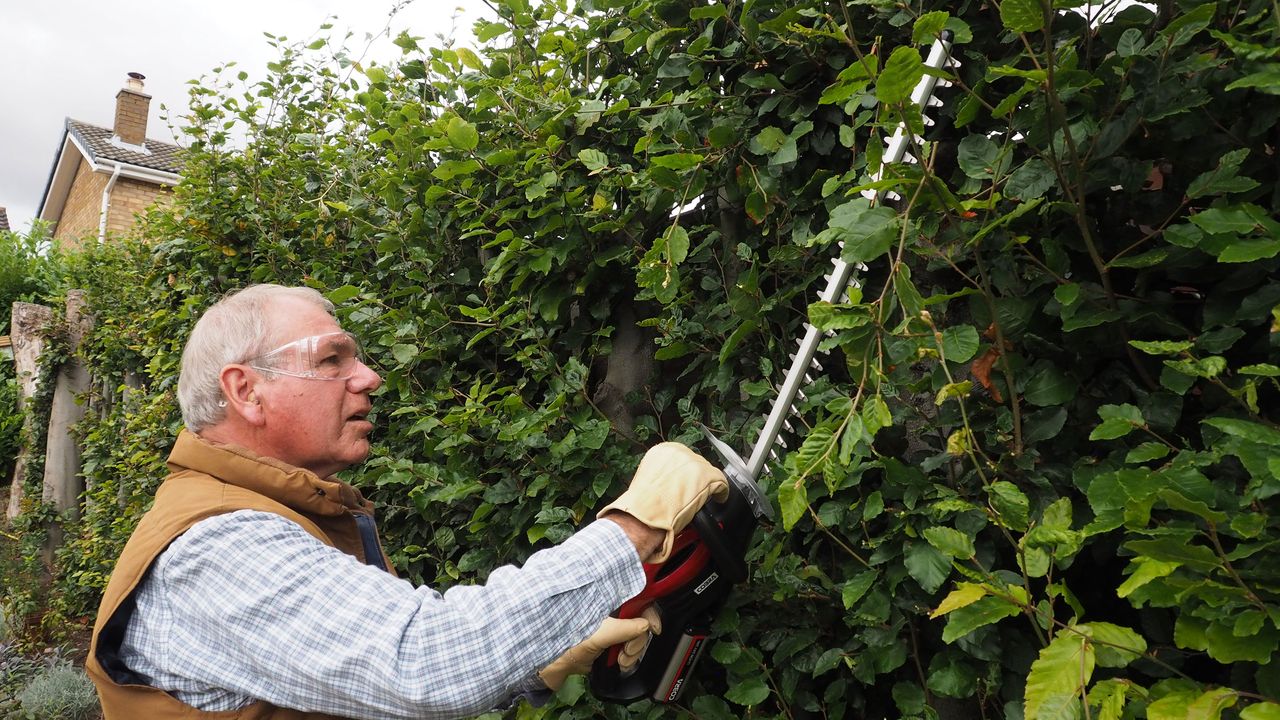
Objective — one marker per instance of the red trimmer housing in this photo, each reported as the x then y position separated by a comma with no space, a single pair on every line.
689,589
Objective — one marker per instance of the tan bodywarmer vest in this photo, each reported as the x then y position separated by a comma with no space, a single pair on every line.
207,480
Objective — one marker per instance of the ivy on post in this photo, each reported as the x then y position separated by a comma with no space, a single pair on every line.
28,331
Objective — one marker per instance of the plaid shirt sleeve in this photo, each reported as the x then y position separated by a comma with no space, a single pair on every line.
248,606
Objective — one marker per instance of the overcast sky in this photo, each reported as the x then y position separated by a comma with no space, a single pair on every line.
68,58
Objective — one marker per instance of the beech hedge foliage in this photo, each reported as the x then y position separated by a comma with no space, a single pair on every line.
1037,475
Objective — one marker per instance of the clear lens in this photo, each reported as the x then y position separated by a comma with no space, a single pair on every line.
331,356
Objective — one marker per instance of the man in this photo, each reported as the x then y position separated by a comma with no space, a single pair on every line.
256,586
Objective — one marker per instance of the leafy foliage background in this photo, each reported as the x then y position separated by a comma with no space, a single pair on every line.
1037,475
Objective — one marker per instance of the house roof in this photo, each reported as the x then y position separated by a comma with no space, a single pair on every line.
154,162
97,143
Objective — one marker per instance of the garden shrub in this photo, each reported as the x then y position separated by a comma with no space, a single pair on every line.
1036,475
60,691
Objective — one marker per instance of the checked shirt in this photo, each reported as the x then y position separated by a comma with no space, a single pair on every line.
247,606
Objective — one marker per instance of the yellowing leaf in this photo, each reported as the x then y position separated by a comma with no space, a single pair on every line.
1062,670
964,594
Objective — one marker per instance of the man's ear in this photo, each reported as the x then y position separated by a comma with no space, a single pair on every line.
239,387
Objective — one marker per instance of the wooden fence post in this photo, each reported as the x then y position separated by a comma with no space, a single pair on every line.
27,331
63,482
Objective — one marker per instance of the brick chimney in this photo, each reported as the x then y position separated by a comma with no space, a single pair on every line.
132,106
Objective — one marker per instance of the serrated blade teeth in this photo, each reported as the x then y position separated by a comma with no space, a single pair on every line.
787,424
918,139
893,195
953,62
780,442
909,158
808,379
934,102
816,365
799,396
868,194
943,83
928,122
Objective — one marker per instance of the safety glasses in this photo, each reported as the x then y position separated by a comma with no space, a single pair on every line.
330,356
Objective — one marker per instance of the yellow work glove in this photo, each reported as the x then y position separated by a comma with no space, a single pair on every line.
670,486
633,634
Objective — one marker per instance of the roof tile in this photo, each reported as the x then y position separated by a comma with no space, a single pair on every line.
97,141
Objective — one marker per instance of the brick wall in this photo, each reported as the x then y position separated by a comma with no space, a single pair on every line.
83,211
129,198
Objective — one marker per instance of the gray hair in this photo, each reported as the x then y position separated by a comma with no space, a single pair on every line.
234,329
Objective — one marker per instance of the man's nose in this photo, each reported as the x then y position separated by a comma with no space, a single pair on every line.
365,379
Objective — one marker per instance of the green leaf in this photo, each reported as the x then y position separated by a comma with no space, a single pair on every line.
1216,221
1144,570
750,691
1117,421
1211,703
1224,178
1011,504
929,567
1030,181
677,161
950,541
343,294
1243,251
902,71
853,590
928,26
793,499
656,39
1022,16
677,244
1115,646
981,159
1173,550
711,12
1063,668
1261,711
593,159
1109,697
1266,80
1163,347
1174,706
1226,647
462,134
1146,452
843,316
1130,43
1246,430
980,613
404,353
1048,385
768,141
867,232
1185,26
960,343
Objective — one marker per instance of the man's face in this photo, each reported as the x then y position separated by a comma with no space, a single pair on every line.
310,423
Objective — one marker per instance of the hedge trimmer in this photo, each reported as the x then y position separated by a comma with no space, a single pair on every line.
709,557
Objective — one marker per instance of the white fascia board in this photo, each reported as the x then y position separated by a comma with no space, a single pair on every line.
59,186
